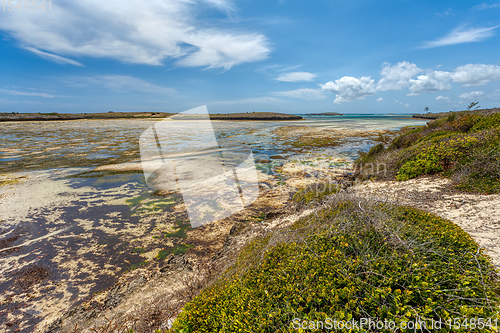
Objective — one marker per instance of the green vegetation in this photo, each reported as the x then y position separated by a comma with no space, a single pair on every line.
177,249
369,157
181,232
315,192
11,181
138,265
257,218
147,204
101,174
133,202
312,142
463,146
351,260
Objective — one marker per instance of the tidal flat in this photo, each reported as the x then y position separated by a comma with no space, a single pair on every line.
77,213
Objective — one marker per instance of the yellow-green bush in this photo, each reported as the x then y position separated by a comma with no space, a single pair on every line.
485,123
465,147
350,262
437,157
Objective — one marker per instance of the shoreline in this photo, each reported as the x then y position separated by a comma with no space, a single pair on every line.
9,117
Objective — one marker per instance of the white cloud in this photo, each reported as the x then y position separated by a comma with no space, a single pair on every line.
272,69
401,103
442,98
380,99
471,95
395,77
121,83
462,35
296,77
225,50
484,6
24,93
476,74
401,75
349,88
54,57
147,33
429,83
307,94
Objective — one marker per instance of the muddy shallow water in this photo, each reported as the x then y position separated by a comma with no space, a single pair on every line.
68,230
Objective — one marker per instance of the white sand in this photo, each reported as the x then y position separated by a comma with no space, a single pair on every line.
478,215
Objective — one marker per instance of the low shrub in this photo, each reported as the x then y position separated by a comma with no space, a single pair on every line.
436,123
465,123
374,151
437,157
485,123
351,260
315,192
481,173
462,146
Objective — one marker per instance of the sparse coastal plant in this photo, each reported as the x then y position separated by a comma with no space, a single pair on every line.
473,105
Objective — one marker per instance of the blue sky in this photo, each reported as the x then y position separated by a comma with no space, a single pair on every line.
295,56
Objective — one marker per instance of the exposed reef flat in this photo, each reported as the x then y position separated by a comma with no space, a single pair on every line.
103,245
255,116
14,116
326,114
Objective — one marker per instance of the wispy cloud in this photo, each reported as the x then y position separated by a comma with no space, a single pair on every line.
484,6
307,94
147,34
296,77
442,98
447,12
460,36
25,93
54,57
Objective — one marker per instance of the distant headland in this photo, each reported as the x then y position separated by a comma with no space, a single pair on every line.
325,114
15,116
